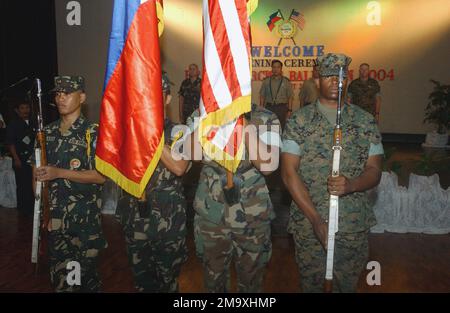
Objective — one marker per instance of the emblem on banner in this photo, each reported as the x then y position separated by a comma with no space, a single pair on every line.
286,28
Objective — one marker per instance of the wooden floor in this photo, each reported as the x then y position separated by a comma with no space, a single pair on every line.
409,262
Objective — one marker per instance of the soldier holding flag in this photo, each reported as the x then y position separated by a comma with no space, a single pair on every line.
239,230
232,203
155,224
134,147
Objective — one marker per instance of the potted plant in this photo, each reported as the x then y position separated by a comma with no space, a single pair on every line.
437,112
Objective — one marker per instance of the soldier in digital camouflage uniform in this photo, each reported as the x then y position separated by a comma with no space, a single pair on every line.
74,189
155,226
365,92
306,168
240,231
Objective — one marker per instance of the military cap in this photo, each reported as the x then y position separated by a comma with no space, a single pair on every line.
69,84
330,63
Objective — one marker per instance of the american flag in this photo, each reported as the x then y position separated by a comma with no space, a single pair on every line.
298,18
226,80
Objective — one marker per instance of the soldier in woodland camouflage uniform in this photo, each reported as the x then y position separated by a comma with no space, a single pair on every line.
155,226
189,93
365,92
306,168
74,188
240,231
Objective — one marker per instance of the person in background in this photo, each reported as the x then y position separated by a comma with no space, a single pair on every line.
20,137
276,93
189,93
365,92
310,92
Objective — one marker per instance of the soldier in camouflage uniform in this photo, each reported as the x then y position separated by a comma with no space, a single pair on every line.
240,231
74,188
309,92
306,168
365,92
189,93
155,225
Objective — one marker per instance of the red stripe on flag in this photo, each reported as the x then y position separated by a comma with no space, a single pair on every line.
245,25
235,139
209,100
223,49
132,118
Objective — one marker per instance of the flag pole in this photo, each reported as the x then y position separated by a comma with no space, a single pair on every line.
230,183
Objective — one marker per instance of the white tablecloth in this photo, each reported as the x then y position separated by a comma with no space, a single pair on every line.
7,184
423,207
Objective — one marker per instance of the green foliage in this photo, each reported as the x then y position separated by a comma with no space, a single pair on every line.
390,165
438,109
429,164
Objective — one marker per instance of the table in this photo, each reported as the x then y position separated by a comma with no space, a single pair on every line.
423,207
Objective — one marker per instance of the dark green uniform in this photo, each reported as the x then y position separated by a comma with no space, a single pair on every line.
241,231
155,229
364,94
190,91
309,134
21,135
75,208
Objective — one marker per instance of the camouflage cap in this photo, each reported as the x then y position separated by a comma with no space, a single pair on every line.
69,84
330,63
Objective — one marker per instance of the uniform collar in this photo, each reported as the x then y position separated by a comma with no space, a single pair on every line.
76,125
195,80
276,77
78,122
345,113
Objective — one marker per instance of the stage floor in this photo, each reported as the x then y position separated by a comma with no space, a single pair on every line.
409,262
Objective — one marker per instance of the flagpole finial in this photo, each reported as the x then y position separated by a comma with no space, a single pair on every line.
251,6
160,15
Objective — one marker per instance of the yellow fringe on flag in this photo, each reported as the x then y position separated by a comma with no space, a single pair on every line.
160,15
251,6
133,188
220,156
